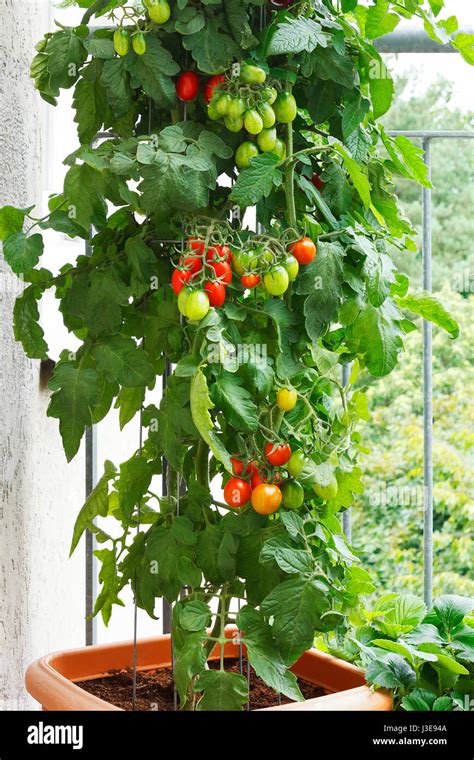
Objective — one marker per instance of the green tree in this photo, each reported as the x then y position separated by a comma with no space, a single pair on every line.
388,521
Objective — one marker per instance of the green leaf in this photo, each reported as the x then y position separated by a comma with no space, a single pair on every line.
358,177
378,336
76,391
11,221
237,18
379,20
66,54
212,49
322,282
465,44
129,401
120,359
222,690
353,114
22,253
116,83
110,584
83,188
26,325
263,654
135,478
96,505
391,672
430,308
295,35
107,295
295,606
294,561
285,323
378,270
321,99
407,158
165,551
152,72
415,702
89,103
194,616
235,402
257,181
407,612
443,704
201,405
381,88
451,609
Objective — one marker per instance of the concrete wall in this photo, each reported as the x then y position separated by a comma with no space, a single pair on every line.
41,590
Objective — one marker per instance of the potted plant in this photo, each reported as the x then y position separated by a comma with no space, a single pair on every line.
256,326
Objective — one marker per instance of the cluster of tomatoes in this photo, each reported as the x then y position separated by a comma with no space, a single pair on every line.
159,12
201,278
247,102
188,86
274,271
203,273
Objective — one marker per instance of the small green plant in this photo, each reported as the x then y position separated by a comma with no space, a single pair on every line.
425,658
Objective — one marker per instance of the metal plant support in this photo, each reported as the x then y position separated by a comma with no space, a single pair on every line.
397,42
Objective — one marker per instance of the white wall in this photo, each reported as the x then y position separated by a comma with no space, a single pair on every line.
41,591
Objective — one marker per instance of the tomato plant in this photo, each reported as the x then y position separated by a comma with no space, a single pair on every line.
241,323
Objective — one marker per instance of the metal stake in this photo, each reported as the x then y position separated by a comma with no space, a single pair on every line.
427,394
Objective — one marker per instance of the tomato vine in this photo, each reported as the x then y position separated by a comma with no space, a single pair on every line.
256,325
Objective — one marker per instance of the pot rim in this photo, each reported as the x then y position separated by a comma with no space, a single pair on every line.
51,679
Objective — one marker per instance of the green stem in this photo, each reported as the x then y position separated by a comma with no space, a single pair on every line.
290,179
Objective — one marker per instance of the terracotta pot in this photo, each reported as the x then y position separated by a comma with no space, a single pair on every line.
51,679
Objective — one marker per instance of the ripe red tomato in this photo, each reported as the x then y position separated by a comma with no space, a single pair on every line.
210,86
250,280
266,498
277,454
317,181
193,263
227,253
187,86
216,293
196,244
237,492
179,279
214,253
304,250
237,465
223,271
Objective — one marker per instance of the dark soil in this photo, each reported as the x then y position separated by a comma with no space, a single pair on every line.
155,688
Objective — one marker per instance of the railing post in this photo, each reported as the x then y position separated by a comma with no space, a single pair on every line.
347,515
427,394
91,571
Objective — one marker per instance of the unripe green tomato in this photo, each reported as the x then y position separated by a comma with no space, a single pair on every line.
252,74
296,463
292,267
267,138
212,112
237,264
327,492
183,300
276,281
197,305
233,125
285,107
159,11
292,495
139,43
270,95
253,121
280,149
121,42
268,115
268,256
223,103
244,154
237,107
249,260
